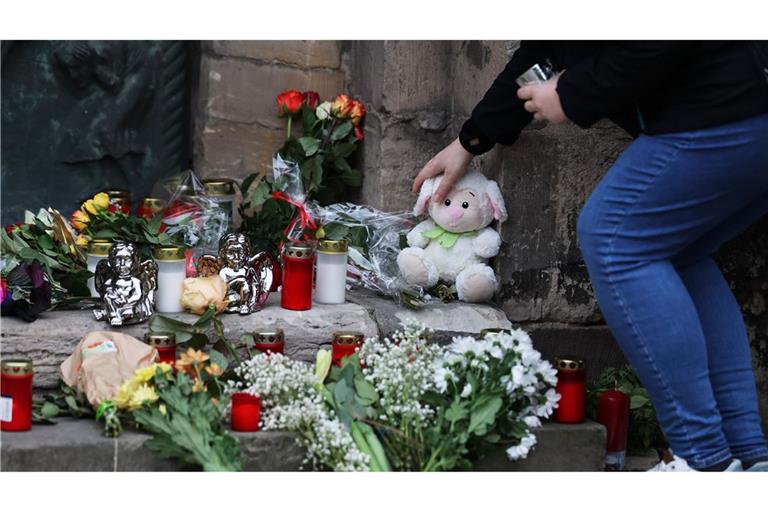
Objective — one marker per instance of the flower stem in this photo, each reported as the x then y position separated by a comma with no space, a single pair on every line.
290,122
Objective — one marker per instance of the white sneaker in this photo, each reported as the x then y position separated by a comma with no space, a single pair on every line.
675,465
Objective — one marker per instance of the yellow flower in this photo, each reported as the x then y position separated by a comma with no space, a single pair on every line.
198,386
162,409
214,370
145,374
124,398
190,360
90,207
101,200
82,241
144,394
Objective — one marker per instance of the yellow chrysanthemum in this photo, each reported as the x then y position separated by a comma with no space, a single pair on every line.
143,375
141,396
101,200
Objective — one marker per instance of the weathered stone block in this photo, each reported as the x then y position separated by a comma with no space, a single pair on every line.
475,66
305,54
546,177
226,148
416,75
244,92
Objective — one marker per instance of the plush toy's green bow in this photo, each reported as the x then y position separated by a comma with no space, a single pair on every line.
444,237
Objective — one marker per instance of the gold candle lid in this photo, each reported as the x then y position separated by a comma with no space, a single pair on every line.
153,203
348,338
99,247
332,246
569,364
269,337
219,186
16,367
298,251
169,253
117,193
160,339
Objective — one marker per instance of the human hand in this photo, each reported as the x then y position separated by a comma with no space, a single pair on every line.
451,162
543,101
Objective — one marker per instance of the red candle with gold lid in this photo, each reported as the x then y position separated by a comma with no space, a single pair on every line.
345,344
16,394
613,412
149,207
119,200
571,386
269,341
298,264
165,344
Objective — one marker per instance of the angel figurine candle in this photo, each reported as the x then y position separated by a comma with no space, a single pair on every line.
249,278
126,286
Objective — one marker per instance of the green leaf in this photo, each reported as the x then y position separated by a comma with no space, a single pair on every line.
365,390
205,318
49,410
219,358
456,412
341,131
484,414
105,233
310,145
261,193
312,173
344,149
352,177
638,401
335,231
45,242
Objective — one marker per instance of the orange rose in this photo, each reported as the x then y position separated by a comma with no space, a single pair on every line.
79,220
289,102
357,112
342,106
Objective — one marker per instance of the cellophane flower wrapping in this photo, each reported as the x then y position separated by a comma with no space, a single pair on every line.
192,217
375,236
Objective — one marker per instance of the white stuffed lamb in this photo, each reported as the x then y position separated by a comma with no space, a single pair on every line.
454,244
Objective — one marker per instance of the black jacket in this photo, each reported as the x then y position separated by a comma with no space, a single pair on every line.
651,87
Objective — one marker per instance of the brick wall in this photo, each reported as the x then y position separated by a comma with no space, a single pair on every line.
236,129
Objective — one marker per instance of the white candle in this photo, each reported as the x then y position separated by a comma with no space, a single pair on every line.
331,272
171,272
97,251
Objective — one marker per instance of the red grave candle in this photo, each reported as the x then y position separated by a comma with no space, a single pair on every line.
298,264
613,412
165,344
269,342
246,412
344,344
16,394
571,385
119,200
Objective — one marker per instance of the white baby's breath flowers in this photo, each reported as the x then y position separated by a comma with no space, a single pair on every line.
291,402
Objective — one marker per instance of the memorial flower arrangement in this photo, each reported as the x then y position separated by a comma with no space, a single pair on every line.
330,133
402,403
183,412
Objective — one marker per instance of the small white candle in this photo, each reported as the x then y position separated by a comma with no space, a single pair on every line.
171,272
331,272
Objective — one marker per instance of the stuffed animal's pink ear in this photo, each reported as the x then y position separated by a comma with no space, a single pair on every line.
496,200
425,194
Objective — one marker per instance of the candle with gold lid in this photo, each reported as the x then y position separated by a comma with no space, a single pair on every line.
150,206
331,271
298,263
571,386
164,343
97,251
344,344
120,199
16,394
171,272
269,341
223,191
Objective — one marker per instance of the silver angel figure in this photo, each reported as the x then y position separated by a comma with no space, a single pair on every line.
249,278
126,286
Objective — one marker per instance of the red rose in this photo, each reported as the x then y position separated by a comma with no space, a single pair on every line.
311,98
289,102
357,112
359,133
12,227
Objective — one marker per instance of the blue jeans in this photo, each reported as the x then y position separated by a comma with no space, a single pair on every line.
648,234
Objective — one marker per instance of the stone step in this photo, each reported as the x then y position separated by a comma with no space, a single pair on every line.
52,338
78,445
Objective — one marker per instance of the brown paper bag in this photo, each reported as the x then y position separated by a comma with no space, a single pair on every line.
102,361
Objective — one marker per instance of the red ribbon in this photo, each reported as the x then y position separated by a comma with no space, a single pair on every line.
306,220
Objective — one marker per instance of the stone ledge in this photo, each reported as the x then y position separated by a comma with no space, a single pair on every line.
78,445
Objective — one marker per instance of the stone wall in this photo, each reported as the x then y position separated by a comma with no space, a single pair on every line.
236,127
